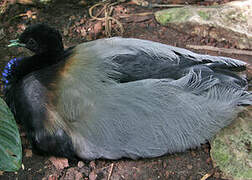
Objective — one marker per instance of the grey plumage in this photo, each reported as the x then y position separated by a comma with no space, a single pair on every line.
149,113
117,97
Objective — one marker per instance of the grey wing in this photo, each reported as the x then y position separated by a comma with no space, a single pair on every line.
149,118
141,118
136,59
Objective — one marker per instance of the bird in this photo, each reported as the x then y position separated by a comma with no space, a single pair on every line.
118,97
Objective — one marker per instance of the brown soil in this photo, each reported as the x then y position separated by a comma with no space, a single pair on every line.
76,26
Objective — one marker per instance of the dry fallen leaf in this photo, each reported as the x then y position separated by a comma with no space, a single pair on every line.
80,164
92,175
92,164
189,166
52,177
78,176
98,27
59,163
28,153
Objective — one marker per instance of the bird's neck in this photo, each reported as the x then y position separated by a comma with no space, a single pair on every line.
17,68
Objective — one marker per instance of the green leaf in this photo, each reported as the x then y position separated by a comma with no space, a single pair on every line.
10,143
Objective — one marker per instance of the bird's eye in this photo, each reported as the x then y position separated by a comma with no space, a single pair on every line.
32,44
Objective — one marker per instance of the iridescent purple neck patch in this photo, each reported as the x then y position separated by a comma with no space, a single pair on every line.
7,72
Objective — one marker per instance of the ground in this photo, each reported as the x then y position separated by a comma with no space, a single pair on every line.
76,26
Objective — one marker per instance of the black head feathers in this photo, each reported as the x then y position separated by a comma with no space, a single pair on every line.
40,38
47,45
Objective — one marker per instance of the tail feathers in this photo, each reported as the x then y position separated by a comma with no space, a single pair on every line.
219,60
235,97
223,66
246,99
194,82
214,89
224,62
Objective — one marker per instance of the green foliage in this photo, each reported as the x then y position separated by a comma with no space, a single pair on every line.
10,143
231,148
173,15
204,15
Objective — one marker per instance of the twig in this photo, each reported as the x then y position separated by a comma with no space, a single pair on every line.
103,168
110,171
137,14
206,176
22,15
99,13
147,4
3,6
166,5
222,50
108,19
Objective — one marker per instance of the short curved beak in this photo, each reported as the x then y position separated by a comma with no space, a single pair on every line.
16,43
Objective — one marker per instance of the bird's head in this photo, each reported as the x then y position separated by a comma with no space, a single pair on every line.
40,38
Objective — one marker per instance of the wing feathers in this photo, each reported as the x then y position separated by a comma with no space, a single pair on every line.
146,116
133,59
149,118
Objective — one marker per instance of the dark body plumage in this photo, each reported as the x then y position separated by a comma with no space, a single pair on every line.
117,97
